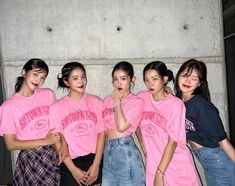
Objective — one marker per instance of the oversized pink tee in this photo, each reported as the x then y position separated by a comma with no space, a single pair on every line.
80,121
160,121
27,117
132,107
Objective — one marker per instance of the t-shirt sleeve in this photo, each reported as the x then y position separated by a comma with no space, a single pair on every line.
7,122
54,122
100,127
176,123
52,97
134,114
211,123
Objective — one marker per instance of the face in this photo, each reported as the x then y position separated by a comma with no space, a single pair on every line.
77,81
34,79
122,81
154,82
188,82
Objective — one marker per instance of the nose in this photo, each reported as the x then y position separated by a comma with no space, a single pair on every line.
187,80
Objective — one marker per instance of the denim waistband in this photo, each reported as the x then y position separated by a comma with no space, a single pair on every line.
127,140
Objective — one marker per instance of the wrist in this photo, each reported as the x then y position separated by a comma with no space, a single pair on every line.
160,171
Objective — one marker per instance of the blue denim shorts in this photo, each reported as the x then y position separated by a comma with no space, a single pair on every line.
218,168
122,165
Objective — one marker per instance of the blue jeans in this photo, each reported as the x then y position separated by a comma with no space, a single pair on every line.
122,165
218,168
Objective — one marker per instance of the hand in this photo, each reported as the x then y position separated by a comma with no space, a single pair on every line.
158,180
80,176
93,173
63,152
116,95
52,137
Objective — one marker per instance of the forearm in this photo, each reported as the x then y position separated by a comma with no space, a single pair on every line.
121,122
13,144
99,149
167,156
228,149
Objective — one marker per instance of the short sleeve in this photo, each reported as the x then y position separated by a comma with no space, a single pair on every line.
100,122
211,122
7,122
176,124
54,121
134,114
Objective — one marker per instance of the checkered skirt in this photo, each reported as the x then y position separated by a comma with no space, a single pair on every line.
37,167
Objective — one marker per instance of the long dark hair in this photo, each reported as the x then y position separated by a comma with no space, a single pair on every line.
66,72
161,69
34,63
200,68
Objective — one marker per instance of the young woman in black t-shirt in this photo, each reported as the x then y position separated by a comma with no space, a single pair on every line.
205,131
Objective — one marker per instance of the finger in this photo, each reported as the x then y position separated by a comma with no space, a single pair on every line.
51,131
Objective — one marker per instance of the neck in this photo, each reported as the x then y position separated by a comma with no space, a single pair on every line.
159,96
186,97
25,92
76,96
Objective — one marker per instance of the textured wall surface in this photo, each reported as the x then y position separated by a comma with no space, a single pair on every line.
103,32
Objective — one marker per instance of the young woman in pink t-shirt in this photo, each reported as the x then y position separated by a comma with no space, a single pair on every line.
168,159
25,127
122,112
78,116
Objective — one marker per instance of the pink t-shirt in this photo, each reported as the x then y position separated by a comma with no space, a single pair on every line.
160,121
27,117
80,121
132,107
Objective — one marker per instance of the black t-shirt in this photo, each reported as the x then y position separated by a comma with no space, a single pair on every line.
203,123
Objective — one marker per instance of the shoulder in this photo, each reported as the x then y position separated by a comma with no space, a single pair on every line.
143,94
59,101
175,99
9,102
45,90
93,97
107,98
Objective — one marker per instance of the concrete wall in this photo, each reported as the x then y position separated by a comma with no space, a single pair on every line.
103,32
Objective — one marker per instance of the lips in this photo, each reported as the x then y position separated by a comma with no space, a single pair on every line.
35,84
119,88
186,86
81,86
151,89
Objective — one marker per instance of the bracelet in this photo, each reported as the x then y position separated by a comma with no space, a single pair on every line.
163,173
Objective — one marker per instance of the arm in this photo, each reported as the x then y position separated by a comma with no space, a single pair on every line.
166,158
62,149
121,122
14,144
140,139
79,175
228,149
93,171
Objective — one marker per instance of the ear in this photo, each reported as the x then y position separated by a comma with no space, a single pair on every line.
23,72
133,79
165,79
66,83
199,84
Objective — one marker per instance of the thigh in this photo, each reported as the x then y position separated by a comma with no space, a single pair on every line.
215,165
129,168
108,177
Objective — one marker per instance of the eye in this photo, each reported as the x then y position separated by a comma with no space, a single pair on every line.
35,74
124,78
74,78
84,77
146,80
154,79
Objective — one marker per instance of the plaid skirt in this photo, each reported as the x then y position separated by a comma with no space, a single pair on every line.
37,167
